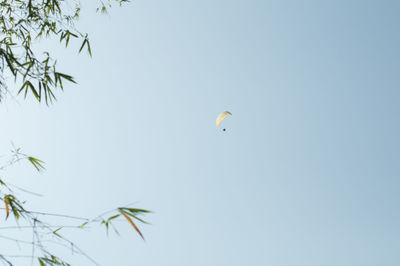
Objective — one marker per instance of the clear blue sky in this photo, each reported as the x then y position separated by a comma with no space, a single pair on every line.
307,173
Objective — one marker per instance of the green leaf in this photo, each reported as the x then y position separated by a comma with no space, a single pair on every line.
113,217
134,210
28,85
55,232
82,225
41,262
38,164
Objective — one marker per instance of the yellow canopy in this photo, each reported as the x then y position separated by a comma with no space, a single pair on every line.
222,117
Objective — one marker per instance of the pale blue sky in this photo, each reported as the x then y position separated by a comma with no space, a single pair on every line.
307,173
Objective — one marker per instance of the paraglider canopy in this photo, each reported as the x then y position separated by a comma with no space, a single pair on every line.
222,117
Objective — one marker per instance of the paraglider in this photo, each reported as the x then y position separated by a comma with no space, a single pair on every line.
221,117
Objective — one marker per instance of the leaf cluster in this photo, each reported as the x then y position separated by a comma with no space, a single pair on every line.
45,232
22,22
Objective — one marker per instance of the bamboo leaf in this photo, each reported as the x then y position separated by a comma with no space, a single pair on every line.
83,45
113,217
132,223
55,232
7,206
82,225
134,210
38,164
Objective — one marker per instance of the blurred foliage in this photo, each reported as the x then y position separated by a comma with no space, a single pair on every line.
43,230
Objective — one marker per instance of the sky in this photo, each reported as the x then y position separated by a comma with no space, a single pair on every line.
306,173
